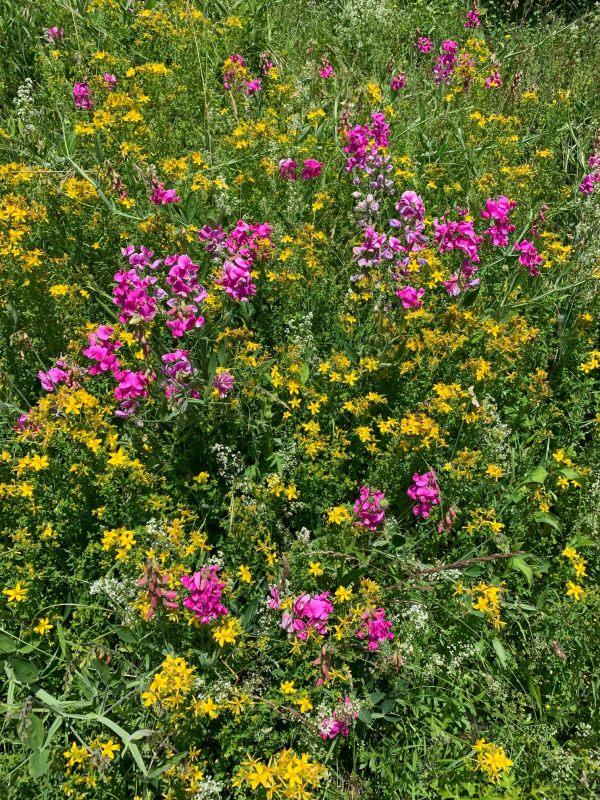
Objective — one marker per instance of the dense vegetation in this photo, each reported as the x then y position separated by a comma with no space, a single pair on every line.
299,373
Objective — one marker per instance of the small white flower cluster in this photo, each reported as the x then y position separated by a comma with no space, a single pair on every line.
209,788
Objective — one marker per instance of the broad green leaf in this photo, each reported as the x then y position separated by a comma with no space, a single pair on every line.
39,763
25,671
7,643
549,519
500,651
520,564
35,733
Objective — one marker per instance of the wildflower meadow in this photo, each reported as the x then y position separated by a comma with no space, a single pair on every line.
299,380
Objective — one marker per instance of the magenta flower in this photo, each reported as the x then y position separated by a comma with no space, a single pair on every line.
131,384
529,257
312,169
102,350
55,34
287,169
425,491
398,82
473,18
368,508
110,80
223,383
451,235
498,211
162,197
410,297
327,70
424,44
339,721
588,183
81,96
308,613
205,594
253,86
273,602
493,81
376,627
446,62
54,377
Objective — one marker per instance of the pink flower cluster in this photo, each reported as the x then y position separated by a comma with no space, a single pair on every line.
529,257
364,140
134,292
493,81
186,292
288,169
55,376
223,382
589,182
110,80
163,197
368,508
498,211
81,96
463,279
457,235
446,62
339,721
424,44
205,593
308,613
178,370
425,492
326,70
130,385
410,297
235,77
398,82
376,627
240,249
472,20
54,34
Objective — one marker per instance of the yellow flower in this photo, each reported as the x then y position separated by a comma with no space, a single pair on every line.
338,515
494,471
314,568
208,708
108,749
343,594
303,704
287,687
76,755
574,591
244,574
228,632
16,595
43,626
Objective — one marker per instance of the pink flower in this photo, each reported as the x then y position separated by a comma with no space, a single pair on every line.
339,721
425,491
398,82
223,383
451,235
287,169
588,183
446,62
102,350
376,627
410,297
81,96
178,370
424,44
308,613
110,81
131,384
473,18
205,593
529,257
368,508
52,378
498,210
312,169
236,279
253,86
493,81
54,34
327,70
162,197
273,602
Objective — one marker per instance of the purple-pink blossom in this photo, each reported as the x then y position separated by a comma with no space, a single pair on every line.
81,96
162,197
446,62
375,627
326,70
529,257
223,382
425,492
398,82
312,169
368,508
498,211
308,613
410,297
205,593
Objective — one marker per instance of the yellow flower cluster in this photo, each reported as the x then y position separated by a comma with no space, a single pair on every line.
286,775
171,685
491,759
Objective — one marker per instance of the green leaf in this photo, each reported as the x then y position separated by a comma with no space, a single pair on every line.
25,671
365,715
169,763
538,475
304,372
520,564
250,613
500,651
39,763
7,643
126,634
35,732
549,519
